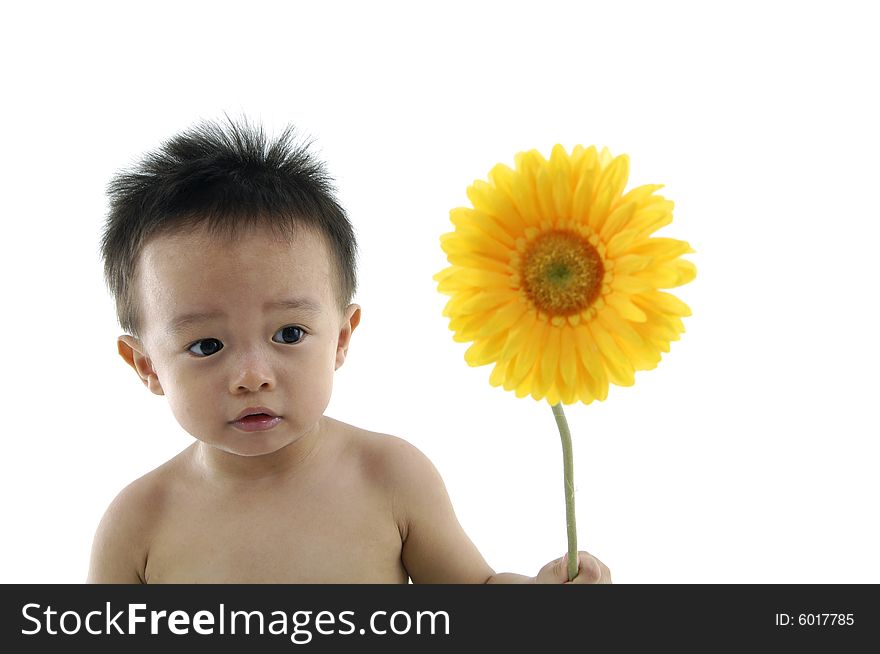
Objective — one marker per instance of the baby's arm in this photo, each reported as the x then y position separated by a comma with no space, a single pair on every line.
435,547
118,549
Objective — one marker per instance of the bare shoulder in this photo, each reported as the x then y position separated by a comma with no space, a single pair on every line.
121,542
409,479
435,547
390,459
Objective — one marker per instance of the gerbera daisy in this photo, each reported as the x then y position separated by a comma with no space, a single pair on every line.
555,277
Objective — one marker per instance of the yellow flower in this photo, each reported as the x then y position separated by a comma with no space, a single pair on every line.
555,278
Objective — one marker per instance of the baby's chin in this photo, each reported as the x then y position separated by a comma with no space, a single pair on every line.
282,445
254,445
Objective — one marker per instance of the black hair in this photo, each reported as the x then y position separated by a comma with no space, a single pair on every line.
228,178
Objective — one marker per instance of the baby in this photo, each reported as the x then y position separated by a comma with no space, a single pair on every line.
233,269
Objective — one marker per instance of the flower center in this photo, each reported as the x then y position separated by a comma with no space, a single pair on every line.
561,273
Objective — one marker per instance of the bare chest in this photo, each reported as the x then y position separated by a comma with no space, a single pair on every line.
332,534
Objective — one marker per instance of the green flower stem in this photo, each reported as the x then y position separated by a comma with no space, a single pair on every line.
568,465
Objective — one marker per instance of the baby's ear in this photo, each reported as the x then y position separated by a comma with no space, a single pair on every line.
134,354
351,320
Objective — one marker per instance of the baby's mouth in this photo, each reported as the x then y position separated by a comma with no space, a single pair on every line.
255,420
255,417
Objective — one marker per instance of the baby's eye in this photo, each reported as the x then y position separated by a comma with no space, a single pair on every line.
289,335
206,347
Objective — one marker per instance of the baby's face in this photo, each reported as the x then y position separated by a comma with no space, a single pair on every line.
235,325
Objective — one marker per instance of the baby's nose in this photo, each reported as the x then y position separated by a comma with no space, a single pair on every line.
253,374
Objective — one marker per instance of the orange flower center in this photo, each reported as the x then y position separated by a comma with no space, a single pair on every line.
561,273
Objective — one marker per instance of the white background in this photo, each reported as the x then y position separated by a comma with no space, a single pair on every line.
749,455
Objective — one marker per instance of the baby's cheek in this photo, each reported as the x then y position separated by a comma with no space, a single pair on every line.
315,393
189,402
184,413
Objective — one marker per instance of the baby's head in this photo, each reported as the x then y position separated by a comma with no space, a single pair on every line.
233,269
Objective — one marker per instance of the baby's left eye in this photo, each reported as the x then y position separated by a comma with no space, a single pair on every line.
289,335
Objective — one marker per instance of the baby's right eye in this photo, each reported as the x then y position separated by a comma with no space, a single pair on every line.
206,347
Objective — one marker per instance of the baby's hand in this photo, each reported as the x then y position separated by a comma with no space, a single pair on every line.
590,571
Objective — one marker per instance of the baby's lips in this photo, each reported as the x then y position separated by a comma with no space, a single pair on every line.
255,410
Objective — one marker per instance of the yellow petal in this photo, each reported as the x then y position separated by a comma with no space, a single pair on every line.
590,358
647,221
623,304
499,371
662,249
489,200
529,163
568,394
526,201
528,355
685,271
643,356
629,285
658,326
620,242
505,373
511,380
620,370
618,220
465,218
582,199
660,344
550,360
560,169
609,189
485,351
484,301
659,276
442,275
613,323
453,306
505,180
525,386
517,335
585,161
666,303
474,277
474,242
583,391
465,326
499,374
453,280
631,263
640,194
523,195
471,260
577,153
544,188
501,318
480,242
568,357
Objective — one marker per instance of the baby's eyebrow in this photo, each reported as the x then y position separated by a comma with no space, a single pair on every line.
298,303
305,305
182,322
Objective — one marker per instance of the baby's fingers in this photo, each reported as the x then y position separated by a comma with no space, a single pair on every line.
590,570
555,572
